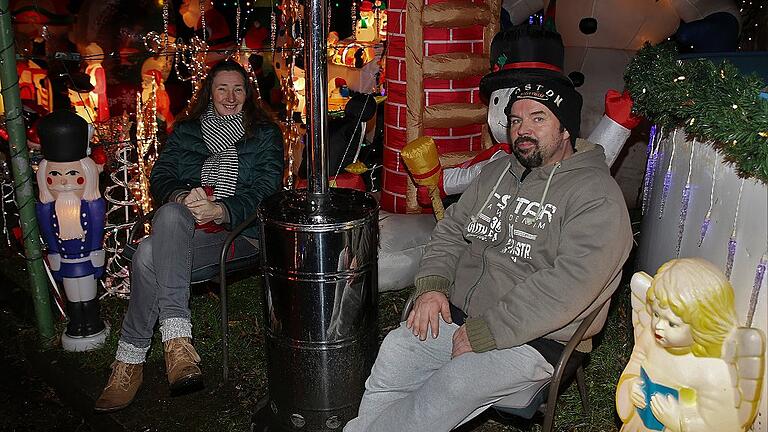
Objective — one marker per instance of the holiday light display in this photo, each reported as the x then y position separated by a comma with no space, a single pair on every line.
146,147
122,208
291,79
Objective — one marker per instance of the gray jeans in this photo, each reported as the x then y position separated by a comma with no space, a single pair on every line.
416,386
162,267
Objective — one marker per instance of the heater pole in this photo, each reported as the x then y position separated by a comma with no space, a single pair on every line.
22,177
315,59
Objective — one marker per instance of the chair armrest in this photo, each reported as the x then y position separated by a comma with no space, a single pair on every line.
231,238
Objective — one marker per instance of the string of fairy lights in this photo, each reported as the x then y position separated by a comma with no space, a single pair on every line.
122,202
754,34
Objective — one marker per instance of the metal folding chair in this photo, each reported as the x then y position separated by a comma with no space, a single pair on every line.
208,274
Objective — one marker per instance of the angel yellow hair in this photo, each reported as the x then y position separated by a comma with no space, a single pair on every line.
697,292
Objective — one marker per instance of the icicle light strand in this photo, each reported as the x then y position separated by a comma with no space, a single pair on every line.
756,286
647,180
684,201
667,177
708,216
732,240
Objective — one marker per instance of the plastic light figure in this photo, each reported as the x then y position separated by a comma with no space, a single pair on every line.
94,56
693,368
366,30
153,74
71,215
382,11
79,92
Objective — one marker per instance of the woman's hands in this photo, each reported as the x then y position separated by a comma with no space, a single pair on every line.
202,207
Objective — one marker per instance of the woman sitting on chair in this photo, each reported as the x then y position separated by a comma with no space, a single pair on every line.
224,156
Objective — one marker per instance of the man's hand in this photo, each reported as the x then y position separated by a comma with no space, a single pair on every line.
426,313
460,342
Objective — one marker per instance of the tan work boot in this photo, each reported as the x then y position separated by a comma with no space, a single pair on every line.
181,361
121,387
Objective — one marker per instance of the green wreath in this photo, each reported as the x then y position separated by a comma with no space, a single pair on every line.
711,102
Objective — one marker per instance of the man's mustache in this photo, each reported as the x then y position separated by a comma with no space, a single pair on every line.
523,139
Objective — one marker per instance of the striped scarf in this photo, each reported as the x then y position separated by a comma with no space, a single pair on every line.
220,133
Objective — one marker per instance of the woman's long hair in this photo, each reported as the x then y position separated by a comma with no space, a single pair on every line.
254,111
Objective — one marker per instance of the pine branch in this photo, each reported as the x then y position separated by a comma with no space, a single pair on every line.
711,102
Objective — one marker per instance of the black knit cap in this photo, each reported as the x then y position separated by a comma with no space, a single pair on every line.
521,54
63,136
560,98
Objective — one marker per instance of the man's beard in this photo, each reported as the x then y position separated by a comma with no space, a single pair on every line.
533,158
68,215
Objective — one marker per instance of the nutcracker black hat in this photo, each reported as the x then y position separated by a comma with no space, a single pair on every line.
63,136
522,54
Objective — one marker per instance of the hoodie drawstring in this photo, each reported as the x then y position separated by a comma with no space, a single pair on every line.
530,220
474,217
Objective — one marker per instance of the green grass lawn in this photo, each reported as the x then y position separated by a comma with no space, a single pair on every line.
247,359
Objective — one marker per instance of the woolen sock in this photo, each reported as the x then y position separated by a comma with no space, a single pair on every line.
131,354
172,328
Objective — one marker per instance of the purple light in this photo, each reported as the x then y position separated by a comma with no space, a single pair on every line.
650,168
650,140
650,172
683,215
731,254
665,192
759,273
704,228
647,183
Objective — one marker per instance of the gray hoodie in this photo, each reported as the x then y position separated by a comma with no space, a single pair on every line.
522,270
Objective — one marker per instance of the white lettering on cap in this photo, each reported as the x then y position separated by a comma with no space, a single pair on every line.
528,92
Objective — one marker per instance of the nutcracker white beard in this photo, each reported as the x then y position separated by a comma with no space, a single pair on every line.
68,214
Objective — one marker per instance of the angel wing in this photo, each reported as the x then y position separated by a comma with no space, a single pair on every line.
744,351
641,317
641,320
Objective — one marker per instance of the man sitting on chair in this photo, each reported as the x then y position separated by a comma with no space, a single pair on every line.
534,245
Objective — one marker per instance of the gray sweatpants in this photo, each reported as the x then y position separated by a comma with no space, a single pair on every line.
416,386
161,269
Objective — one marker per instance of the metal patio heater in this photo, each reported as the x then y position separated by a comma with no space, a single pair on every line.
319,258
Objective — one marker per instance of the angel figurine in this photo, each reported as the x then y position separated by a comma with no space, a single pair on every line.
692,367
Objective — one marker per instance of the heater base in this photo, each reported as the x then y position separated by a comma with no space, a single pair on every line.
263,420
